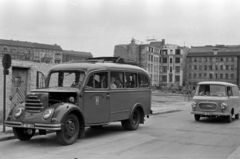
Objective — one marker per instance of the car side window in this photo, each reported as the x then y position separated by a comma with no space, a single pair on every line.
229,91
235,91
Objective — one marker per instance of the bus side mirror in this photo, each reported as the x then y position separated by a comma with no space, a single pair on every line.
40,80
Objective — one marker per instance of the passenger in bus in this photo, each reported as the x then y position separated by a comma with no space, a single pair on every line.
112,84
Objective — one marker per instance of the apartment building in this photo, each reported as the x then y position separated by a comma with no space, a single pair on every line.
146,55
213,63
172,65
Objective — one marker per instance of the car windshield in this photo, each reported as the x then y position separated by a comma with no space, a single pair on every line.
210,90
66,78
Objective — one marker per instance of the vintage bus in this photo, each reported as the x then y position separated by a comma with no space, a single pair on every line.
89,93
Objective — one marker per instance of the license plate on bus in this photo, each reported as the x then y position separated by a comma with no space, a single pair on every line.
207,113
27,125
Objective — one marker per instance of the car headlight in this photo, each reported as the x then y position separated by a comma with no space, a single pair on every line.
47,113
223,106
194,105
17,112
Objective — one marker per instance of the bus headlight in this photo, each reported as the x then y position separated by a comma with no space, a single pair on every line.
47,113
17,112
223,106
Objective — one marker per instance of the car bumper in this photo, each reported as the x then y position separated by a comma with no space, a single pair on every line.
210,113
41,126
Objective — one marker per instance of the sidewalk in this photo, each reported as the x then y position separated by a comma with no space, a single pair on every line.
161,104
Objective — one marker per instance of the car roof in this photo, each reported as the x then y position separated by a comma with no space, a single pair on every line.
217,82
92,66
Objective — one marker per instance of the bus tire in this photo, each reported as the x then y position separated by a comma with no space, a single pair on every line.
133,122
70,130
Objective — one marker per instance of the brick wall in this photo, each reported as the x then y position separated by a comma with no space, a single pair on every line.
32,69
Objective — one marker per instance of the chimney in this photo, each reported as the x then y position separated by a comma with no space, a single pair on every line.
163,41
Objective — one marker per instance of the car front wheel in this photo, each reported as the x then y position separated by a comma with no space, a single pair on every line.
69,133
197,117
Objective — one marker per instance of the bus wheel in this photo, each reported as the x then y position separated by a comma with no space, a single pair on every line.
125,124
133,122
196,117
237,116
23,133
70,130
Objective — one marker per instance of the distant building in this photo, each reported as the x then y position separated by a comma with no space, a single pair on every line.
165,63
47,53
173,65
37,52
75,55
17,49
213,63
145,55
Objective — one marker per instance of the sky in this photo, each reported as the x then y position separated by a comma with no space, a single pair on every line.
96,26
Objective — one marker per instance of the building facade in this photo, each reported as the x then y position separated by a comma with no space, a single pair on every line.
213,63
75,55
172,68
165,63
144,55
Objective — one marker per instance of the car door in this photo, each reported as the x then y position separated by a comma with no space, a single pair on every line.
96,98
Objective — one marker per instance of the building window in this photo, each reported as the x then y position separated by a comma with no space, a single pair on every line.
195,59
205,67
226,76
221,59
232,67
170,68
177,51
164,78
226,67
210,67
210,76
221,67
189,75
200,67
195,67
164,60
177,78
200,75
170,78
221,76
164,69
232,76
205,75
216,59
216,67
195,75
160,60
177,60
170,60
232,59
216,76
205,59
226,59
177,68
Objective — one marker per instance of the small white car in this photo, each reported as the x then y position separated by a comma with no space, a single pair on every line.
216,99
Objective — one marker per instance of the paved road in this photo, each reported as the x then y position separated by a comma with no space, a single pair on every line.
169,135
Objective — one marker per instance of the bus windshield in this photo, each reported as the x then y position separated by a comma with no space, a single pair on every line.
66,78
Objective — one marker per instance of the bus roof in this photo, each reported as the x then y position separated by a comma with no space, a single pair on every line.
91,66
217,82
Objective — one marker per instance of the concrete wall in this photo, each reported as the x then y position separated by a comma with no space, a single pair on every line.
32,69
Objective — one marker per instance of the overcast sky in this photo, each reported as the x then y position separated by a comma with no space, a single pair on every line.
96,26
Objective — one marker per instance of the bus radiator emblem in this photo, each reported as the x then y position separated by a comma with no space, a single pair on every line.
97,100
